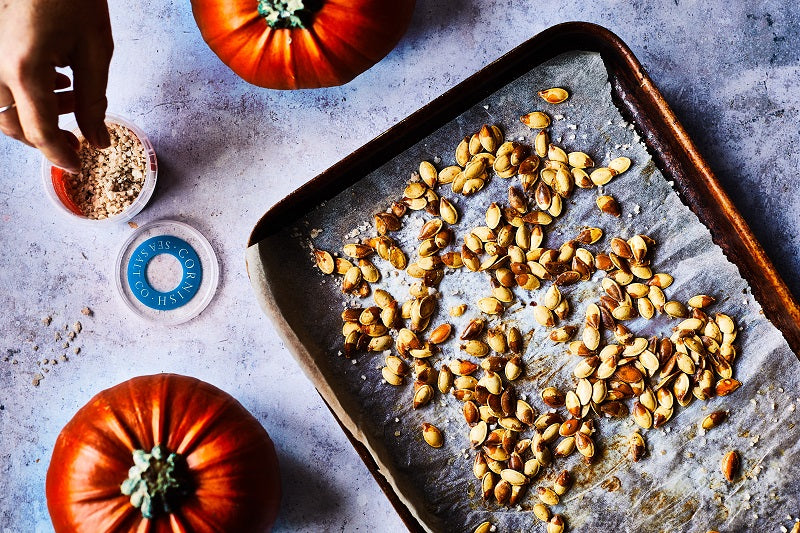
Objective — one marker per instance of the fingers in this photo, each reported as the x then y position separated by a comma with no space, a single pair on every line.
37,109
9,120
90,68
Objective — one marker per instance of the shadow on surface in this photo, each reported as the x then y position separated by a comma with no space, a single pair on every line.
307,497
430,14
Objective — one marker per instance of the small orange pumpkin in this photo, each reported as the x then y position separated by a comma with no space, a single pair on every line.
301,44
163,454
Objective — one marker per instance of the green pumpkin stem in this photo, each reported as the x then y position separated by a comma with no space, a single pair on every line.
288,13
157,482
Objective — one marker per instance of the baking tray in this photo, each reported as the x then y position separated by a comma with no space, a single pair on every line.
639,102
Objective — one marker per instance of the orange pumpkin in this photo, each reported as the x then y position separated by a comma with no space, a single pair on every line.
163,453
301,44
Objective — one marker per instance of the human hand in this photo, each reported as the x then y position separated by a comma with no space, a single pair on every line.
36,36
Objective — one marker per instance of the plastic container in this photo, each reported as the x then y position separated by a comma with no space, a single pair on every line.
55,186
138,269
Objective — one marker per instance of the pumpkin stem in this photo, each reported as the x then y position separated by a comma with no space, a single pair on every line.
157,482
288,13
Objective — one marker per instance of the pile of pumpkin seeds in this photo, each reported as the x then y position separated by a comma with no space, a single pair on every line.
617,375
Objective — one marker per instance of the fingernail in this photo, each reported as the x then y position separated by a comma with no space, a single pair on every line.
101,137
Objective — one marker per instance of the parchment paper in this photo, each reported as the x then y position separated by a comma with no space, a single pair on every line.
678,486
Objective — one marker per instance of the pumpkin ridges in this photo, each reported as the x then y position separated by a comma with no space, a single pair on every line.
186,432
87,460
321,70
361,32
369,25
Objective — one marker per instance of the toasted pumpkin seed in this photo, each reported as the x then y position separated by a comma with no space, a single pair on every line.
601,176
584,444
487,485
547,495
432,435
645,307
619,164
514,477
535,120
607,204
423,395
727,386
636,446
497,340
556,95
513,368
448,174
552,397
725,323
676,309
714,419
661,280
700,301
445,380
562,482
544,316
428,173
542,512
579,160
397,258
556,524
730,465
391,377
478,434
476,348
324,261
483,527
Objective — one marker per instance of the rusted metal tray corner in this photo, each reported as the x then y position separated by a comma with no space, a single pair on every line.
639,102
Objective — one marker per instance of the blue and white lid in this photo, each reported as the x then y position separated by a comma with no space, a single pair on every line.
167,272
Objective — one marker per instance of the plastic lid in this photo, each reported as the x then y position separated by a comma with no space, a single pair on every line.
167,272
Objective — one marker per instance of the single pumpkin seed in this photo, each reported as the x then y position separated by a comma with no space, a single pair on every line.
428,173
432,435
484,527
390,377
607,204
547,495
730,465
556,95
544,316
536,120
579,160
601,176
324,261
514,477
714,419
542,512
636,446
423,395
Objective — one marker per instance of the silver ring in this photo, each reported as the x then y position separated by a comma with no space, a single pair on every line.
12,105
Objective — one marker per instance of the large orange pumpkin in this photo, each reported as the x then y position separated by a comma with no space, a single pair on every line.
163,453
301,44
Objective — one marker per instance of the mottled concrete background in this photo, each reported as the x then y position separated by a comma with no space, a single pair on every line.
229,151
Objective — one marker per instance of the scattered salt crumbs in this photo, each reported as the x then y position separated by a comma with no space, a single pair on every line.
53,351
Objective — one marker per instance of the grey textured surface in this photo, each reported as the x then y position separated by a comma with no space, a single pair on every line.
229,151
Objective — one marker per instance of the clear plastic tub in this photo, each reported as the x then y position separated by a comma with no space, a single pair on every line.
138,270
55,186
